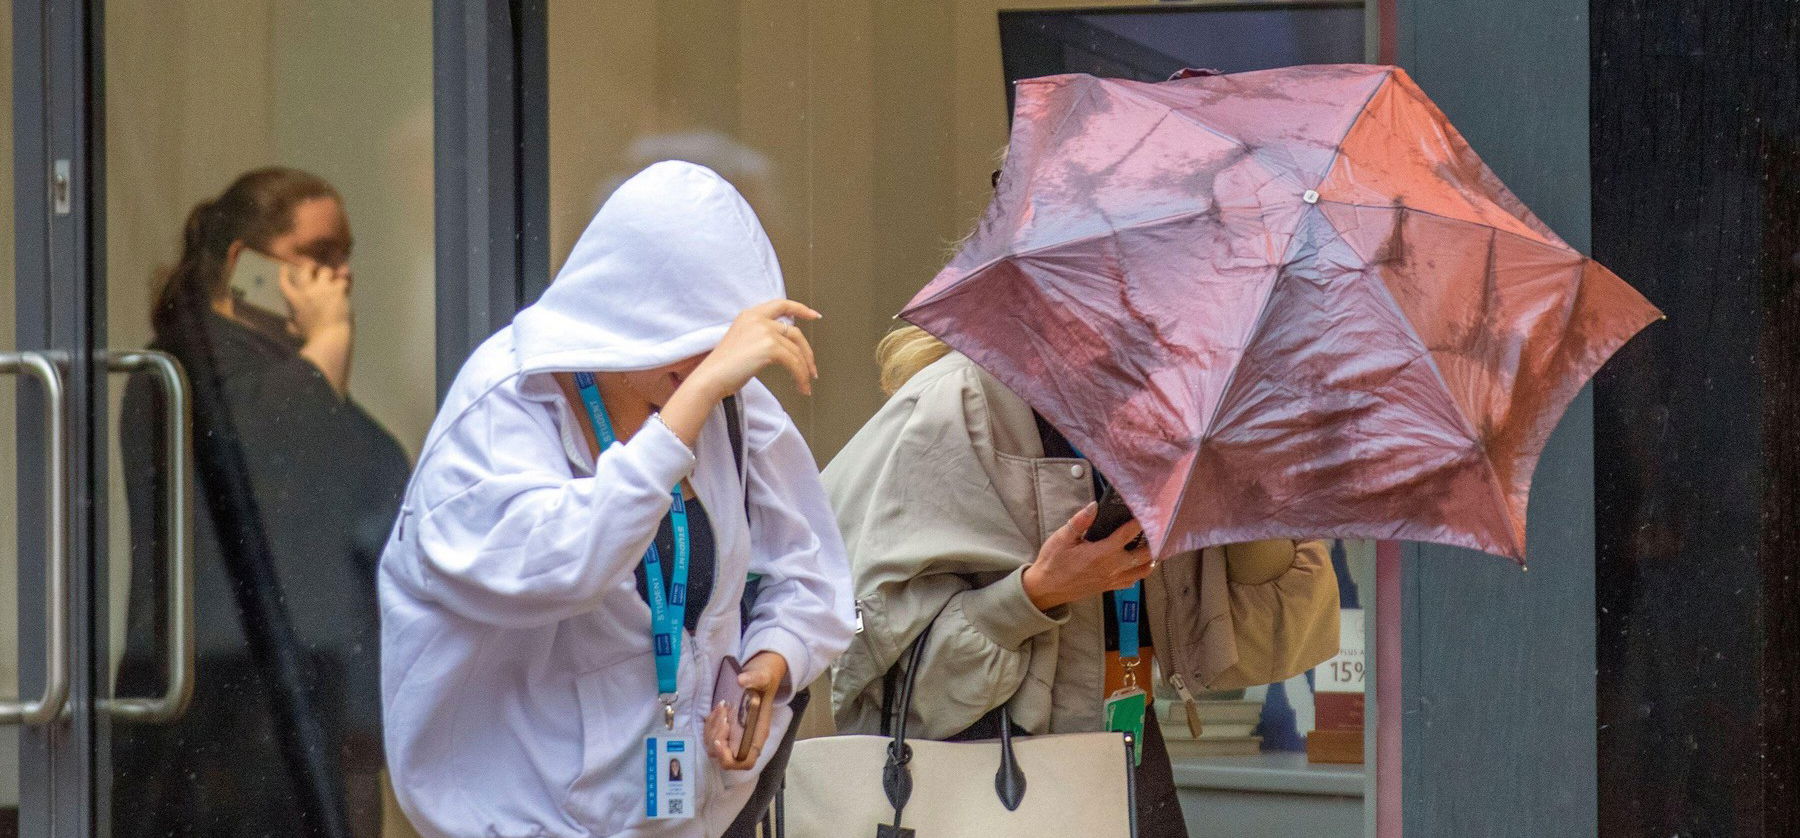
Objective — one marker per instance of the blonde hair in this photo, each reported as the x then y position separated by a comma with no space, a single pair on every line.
903,352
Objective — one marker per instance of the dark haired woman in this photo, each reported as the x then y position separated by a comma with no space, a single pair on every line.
302,483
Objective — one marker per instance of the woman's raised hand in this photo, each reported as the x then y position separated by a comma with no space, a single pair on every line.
1071,568
319,296
757,339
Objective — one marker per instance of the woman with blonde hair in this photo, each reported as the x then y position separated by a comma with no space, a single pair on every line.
964,514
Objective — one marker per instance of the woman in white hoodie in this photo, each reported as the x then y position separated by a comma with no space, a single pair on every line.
527,575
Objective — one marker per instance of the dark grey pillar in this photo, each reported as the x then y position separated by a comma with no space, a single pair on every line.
1499,663
491,94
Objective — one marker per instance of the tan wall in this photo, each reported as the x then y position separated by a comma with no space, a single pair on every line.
862,131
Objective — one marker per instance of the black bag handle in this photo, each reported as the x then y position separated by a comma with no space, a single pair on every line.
896,775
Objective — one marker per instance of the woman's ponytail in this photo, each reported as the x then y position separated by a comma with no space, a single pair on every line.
193,235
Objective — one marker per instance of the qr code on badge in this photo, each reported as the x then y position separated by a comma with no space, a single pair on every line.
677,807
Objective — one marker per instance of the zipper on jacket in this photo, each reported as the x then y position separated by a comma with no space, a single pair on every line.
859,617
1188,703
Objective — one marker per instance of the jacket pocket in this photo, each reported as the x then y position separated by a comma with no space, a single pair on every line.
618,708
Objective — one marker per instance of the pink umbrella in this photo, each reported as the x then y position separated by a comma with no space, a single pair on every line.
1281,303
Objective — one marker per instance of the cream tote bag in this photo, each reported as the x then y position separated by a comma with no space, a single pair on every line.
1073,784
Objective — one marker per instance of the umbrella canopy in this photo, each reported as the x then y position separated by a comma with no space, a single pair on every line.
1280,303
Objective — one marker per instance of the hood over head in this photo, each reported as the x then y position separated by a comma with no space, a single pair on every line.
657,277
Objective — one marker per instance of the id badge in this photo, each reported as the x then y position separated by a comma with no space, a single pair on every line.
1125,714
671,775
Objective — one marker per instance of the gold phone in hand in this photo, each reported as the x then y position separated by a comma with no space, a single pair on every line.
746,707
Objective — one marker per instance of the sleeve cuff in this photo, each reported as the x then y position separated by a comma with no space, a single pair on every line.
661,454
789,646
1004,612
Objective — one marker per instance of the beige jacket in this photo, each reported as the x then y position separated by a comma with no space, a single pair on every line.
944,497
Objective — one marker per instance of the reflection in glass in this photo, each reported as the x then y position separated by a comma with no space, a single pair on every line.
300,445
297,488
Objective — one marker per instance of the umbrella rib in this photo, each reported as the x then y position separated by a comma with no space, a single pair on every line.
1387,296
1082,239
1262,315
1087,92
1562,248
1139,95
1337,150
1191,120
1281,172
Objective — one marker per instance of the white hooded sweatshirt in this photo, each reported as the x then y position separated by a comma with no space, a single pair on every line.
517,675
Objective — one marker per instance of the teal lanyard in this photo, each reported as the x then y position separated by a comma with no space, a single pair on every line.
1127,603
667,610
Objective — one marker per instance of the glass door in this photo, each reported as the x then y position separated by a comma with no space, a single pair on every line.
264,305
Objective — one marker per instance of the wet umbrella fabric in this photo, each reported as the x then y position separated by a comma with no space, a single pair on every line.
1282,303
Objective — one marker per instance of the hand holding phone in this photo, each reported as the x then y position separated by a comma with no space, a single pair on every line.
739,723
1109,517
1077,561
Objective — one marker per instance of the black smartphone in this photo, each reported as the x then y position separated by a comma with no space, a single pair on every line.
1112,515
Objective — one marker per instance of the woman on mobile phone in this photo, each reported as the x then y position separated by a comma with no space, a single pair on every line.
314,476
966,514
564,581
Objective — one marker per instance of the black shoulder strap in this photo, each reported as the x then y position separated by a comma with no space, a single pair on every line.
734,427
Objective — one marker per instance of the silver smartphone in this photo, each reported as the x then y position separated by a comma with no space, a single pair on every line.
257,278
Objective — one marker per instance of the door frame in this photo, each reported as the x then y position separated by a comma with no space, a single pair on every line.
490,96
491,181
54,312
